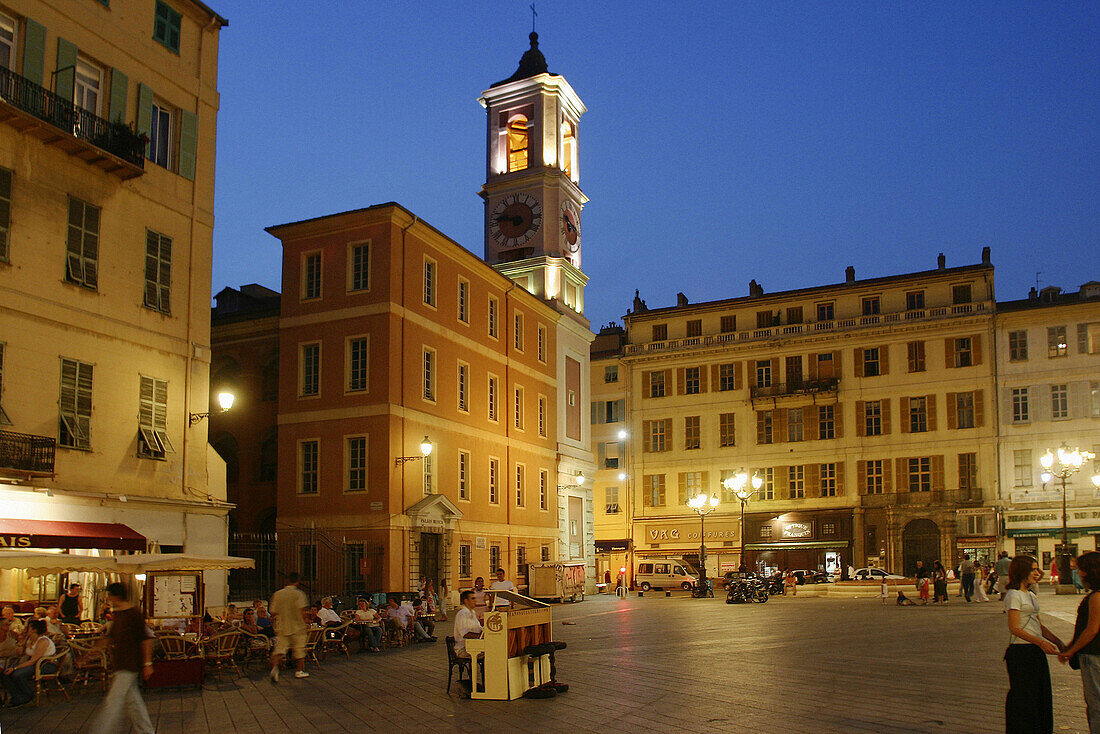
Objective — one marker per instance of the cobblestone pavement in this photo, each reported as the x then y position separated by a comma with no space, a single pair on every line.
656,664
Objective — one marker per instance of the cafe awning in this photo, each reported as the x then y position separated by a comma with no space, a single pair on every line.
141,562
65,534
40,563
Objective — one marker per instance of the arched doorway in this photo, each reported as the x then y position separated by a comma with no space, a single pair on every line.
920,541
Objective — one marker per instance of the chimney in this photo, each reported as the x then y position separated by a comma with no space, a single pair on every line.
755,289
985,255
850,274
941,262
681,299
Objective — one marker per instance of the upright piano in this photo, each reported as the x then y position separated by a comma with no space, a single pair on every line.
501,671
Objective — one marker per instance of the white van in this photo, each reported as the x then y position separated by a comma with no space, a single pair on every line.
663,573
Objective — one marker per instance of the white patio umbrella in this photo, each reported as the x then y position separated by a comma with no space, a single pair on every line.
41,563
143,562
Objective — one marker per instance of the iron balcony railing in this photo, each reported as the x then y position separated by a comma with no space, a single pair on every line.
799,387
25,453
116,138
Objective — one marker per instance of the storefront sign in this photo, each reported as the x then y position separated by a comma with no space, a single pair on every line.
978,541
15,541
796,530
1040,519
688,533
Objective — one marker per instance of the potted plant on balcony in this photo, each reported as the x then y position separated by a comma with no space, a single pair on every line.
124,140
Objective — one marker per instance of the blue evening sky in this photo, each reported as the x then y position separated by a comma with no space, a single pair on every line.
724,141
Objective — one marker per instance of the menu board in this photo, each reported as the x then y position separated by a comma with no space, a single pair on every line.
173,595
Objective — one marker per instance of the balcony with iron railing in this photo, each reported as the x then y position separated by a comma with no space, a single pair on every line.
795,388
26,454
967,497
786,331
35,110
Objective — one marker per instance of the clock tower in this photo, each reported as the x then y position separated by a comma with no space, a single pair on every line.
533,201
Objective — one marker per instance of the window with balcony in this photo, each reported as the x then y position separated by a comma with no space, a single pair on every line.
765,319
914,300
961,294
7,41
1017,346
826,311
764,373
728,324
695,327
794,315
871,306
660,332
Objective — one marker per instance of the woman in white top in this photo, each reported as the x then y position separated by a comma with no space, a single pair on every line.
17,679
979,584
1028,706
369,629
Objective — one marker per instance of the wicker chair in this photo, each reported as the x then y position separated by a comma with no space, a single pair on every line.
252,648
335,640
177,647
42,678
315,636
89,663
218,651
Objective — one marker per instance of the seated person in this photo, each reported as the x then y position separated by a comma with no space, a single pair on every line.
423,617
401,617
39,613
466,624
904,601
19,677
9,645
263,621
248,622
367,620
53,621
326,615
15,626
231,614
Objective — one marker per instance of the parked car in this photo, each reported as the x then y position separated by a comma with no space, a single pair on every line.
875,574
812,577
664,573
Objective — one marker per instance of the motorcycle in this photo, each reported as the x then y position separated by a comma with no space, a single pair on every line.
702,590
746,590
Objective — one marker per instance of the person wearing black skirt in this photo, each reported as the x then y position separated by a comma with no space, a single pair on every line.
1029,708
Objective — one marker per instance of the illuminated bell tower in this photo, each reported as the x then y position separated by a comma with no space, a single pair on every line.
532,198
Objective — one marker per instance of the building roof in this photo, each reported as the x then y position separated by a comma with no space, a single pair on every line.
1052,297
252,301
532,63
223,22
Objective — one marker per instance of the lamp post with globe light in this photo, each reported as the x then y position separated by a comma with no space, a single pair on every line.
704,505
1062,464
739,484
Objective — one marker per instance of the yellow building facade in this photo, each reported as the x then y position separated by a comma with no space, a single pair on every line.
108,115
865,408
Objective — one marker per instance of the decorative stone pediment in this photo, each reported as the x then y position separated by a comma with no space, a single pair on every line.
434,513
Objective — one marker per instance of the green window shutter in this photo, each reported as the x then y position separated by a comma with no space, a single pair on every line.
65,76
189,134
34,51
119,83
145,114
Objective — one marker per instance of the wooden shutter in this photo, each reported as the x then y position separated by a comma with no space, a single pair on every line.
887,475
668,434
930,402
861,418
145,115
840,478
34,51
885,403
937,473
903,409
949,352
884,359
902,466
680,381
811,366
189,141
859,362
811,423
703,379
838,423
779,425
979,408
976,349
703,480
782,480
116,110
594,405
952,411
647,490
752,372
65,76
760,427
738,382
836,365
716,376
601,455
681,479
647,436
861,476
813,480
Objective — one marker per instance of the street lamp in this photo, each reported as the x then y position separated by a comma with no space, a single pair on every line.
225,402
425,451
739,484
704,505
1063,464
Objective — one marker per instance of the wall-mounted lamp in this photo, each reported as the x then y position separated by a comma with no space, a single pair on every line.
225,402
425,450
578,478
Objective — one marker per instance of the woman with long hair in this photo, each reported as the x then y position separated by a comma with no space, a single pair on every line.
1086,644
1029,708
939,583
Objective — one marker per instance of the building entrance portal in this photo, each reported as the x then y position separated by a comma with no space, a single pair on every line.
430,562
920,542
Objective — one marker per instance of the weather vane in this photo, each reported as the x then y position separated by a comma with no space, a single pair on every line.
533,15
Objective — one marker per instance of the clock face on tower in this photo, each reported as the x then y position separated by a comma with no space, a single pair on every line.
515,219
570,226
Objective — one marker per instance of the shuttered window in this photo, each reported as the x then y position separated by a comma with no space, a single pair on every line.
82,244
5,213
75,405
308,458
357,464
726,429
158,271
153,441
166,26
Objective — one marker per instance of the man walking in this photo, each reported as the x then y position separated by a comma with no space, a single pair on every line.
966,570
1001,567
132,652
290,627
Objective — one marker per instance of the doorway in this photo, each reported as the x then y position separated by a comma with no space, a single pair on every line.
920,542
429,556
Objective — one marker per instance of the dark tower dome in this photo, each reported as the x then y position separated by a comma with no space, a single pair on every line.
531,64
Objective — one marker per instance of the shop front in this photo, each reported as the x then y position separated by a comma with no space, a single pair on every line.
1038,533
681,538
819,541
613,561
976,528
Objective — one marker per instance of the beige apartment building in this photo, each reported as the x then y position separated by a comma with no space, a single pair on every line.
108,115
1048,379
865,407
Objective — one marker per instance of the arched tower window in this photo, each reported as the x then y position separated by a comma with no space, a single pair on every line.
517,143
568,147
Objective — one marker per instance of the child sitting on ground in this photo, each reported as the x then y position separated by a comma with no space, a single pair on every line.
904,601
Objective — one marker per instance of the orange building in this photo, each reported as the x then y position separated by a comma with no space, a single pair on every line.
391,333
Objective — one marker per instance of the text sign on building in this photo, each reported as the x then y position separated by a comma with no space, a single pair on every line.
689,533
1082,517
796,530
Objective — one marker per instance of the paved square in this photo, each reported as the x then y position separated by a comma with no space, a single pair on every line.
657,664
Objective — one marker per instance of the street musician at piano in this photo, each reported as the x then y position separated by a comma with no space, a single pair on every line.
466,624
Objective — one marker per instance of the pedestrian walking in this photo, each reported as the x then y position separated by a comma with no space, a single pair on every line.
132,653
1001,568
884,591
980,578
1029,707
939,583
287,606
966,572
790,583
922,582
1084,651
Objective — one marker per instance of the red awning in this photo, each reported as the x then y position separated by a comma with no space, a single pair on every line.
57,534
